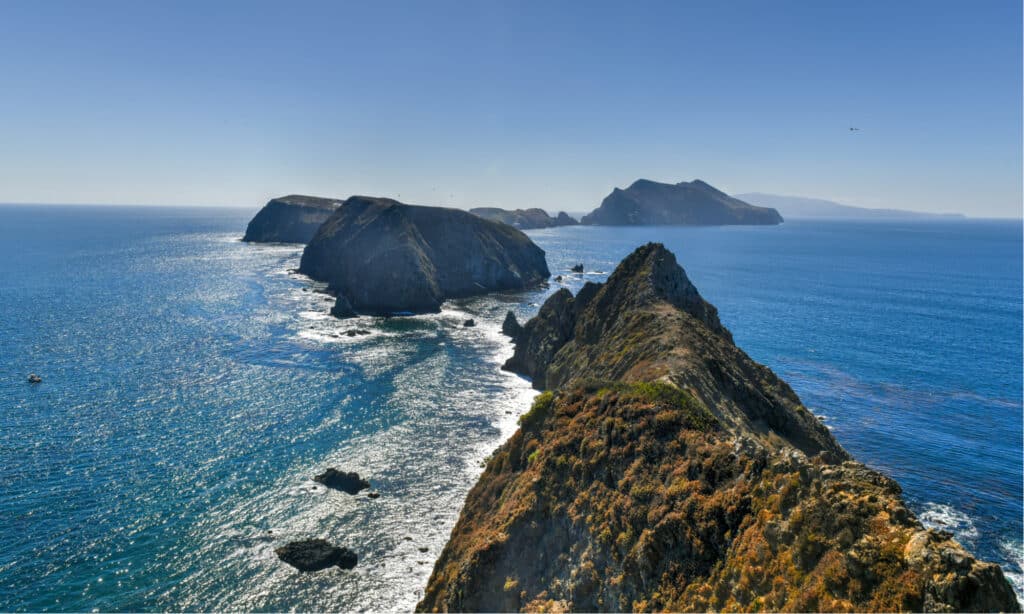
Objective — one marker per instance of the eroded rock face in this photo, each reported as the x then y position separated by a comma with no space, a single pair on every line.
382,257
316,554
290,219
663,469
695,203
524,219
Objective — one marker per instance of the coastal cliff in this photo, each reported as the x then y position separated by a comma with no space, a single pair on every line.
663,469
695,203
290,219
524,219
381,257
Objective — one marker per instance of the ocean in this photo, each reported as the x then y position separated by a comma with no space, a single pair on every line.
193,385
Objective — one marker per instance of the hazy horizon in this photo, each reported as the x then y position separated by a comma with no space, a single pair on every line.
513,106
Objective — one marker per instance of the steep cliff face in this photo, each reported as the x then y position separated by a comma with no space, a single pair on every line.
290,219
687,204
382,257
663,469
524,219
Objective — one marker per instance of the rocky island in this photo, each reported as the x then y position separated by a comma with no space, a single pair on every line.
695,203
382,257
524,219
290,219
663,469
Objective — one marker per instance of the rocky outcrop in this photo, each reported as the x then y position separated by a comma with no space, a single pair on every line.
510,326
382,257
346,481
290,219
663,469
316,554
524,219
649,203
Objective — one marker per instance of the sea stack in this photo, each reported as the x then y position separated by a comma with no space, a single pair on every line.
695,203
290,219
524,219
664,470
383,257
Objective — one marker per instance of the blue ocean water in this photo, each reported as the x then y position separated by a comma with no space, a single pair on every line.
194,384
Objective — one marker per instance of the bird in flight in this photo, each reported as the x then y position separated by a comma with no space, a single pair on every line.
852,129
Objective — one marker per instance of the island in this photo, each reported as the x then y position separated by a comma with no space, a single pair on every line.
662,469
817,208
525,219
290,219
382,257
694,203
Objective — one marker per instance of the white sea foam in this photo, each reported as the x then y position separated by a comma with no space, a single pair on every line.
948,518
1014,567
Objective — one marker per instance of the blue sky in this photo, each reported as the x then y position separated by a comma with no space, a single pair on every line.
511,104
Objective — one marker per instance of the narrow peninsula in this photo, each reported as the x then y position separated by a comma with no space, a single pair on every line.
694,203
382,257
290,219
662,469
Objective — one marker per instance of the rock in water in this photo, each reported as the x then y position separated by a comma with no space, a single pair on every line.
577,268
349,482
290,219
382,257
34,379
316,554
469,323
649,203
663,469
524,219
510,326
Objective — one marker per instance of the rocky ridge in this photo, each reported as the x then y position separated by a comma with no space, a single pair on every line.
524,219
663,469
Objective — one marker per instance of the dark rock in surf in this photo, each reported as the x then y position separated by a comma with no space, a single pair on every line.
315,555
510,326
349,482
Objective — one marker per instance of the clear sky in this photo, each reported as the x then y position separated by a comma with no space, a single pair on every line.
511,104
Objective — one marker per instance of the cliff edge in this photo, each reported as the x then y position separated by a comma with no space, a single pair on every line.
381,257
663,469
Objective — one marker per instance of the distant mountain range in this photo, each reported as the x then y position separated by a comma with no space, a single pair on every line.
798,206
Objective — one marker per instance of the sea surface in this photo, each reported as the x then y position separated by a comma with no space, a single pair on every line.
193,385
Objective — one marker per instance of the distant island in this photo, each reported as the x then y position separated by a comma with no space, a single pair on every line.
802,207
290,219
383,257
524,219
662,469
695,203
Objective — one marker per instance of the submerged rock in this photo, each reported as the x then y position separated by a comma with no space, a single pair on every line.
316,554
649,203
349,482
290,219
382,257
664,470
